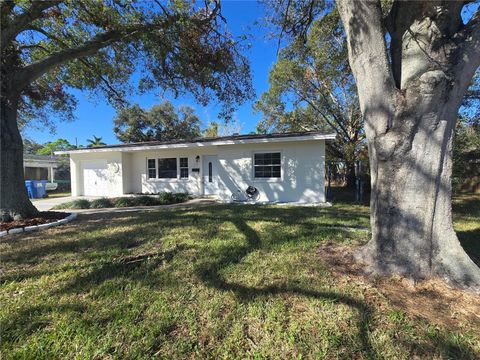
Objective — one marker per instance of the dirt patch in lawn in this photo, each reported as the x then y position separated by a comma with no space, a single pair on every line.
432,299
43,218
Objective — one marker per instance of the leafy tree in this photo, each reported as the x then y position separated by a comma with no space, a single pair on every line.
49,47
212,129
313,77
58,145
216,129
466,149
162,122
31,146
413,62
95,141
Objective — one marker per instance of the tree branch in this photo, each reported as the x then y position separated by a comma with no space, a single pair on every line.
33,71
469,54
21,21
110,88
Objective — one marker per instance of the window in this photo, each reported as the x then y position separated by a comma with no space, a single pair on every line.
210,172
267,165
183,168
152,171
167,168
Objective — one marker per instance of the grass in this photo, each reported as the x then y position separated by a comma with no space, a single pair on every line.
226,281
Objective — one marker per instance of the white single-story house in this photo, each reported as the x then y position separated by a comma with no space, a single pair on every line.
286,167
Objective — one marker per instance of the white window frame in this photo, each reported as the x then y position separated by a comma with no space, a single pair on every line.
155,167
268,179
156,178
184,167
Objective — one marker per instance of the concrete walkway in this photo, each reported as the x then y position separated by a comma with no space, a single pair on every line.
47,204
186,204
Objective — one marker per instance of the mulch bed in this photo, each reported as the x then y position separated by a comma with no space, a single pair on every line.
43,218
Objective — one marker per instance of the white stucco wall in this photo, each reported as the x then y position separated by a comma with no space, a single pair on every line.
302,175
302,178
115,182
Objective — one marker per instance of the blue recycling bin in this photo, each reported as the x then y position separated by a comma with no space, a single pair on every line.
36,189
30,189
40,188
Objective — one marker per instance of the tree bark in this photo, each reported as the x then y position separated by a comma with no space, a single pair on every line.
409,123
411,217
14,202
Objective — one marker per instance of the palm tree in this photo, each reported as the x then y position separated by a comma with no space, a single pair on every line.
95,141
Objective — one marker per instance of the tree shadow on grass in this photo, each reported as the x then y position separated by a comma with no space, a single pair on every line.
70,241
209,273
134,267
29,320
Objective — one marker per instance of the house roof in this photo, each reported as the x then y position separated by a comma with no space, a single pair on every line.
209,141
41,159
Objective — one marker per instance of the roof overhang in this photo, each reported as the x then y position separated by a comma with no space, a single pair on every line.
187,145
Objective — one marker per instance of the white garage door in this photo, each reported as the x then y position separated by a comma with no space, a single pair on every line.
95,177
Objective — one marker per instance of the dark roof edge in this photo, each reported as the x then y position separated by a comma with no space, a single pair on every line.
205,140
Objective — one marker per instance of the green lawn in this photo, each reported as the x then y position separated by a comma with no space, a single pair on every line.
227,281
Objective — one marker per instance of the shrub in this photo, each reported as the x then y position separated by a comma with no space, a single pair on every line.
146,200
80,204
124,202
180,197
101,203
165,198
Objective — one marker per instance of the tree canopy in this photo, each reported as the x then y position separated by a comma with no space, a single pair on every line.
161,123
53,46
311,84
95,141
58,145
50,47
212,129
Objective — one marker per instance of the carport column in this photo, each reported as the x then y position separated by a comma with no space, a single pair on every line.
51,174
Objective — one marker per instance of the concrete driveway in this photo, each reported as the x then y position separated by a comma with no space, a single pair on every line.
48,203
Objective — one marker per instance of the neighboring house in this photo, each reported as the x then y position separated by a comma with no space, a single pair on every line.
288,167
41,167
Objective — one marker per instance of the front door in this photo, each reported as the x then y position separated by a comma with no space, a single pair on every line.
210,174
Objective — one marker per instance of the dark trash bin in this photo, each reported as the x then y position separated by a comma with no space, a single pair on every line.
40,188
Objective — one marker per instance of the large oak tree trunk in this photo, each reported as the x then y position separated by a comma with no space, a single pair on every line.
410,102
411,217
14,202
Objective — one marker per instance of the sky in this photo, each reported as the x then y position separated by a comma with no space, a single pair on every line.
95,116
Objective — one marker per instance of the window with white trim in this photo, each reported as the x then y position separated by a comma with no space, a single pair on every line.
184,168
167,168
151,169
267,165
